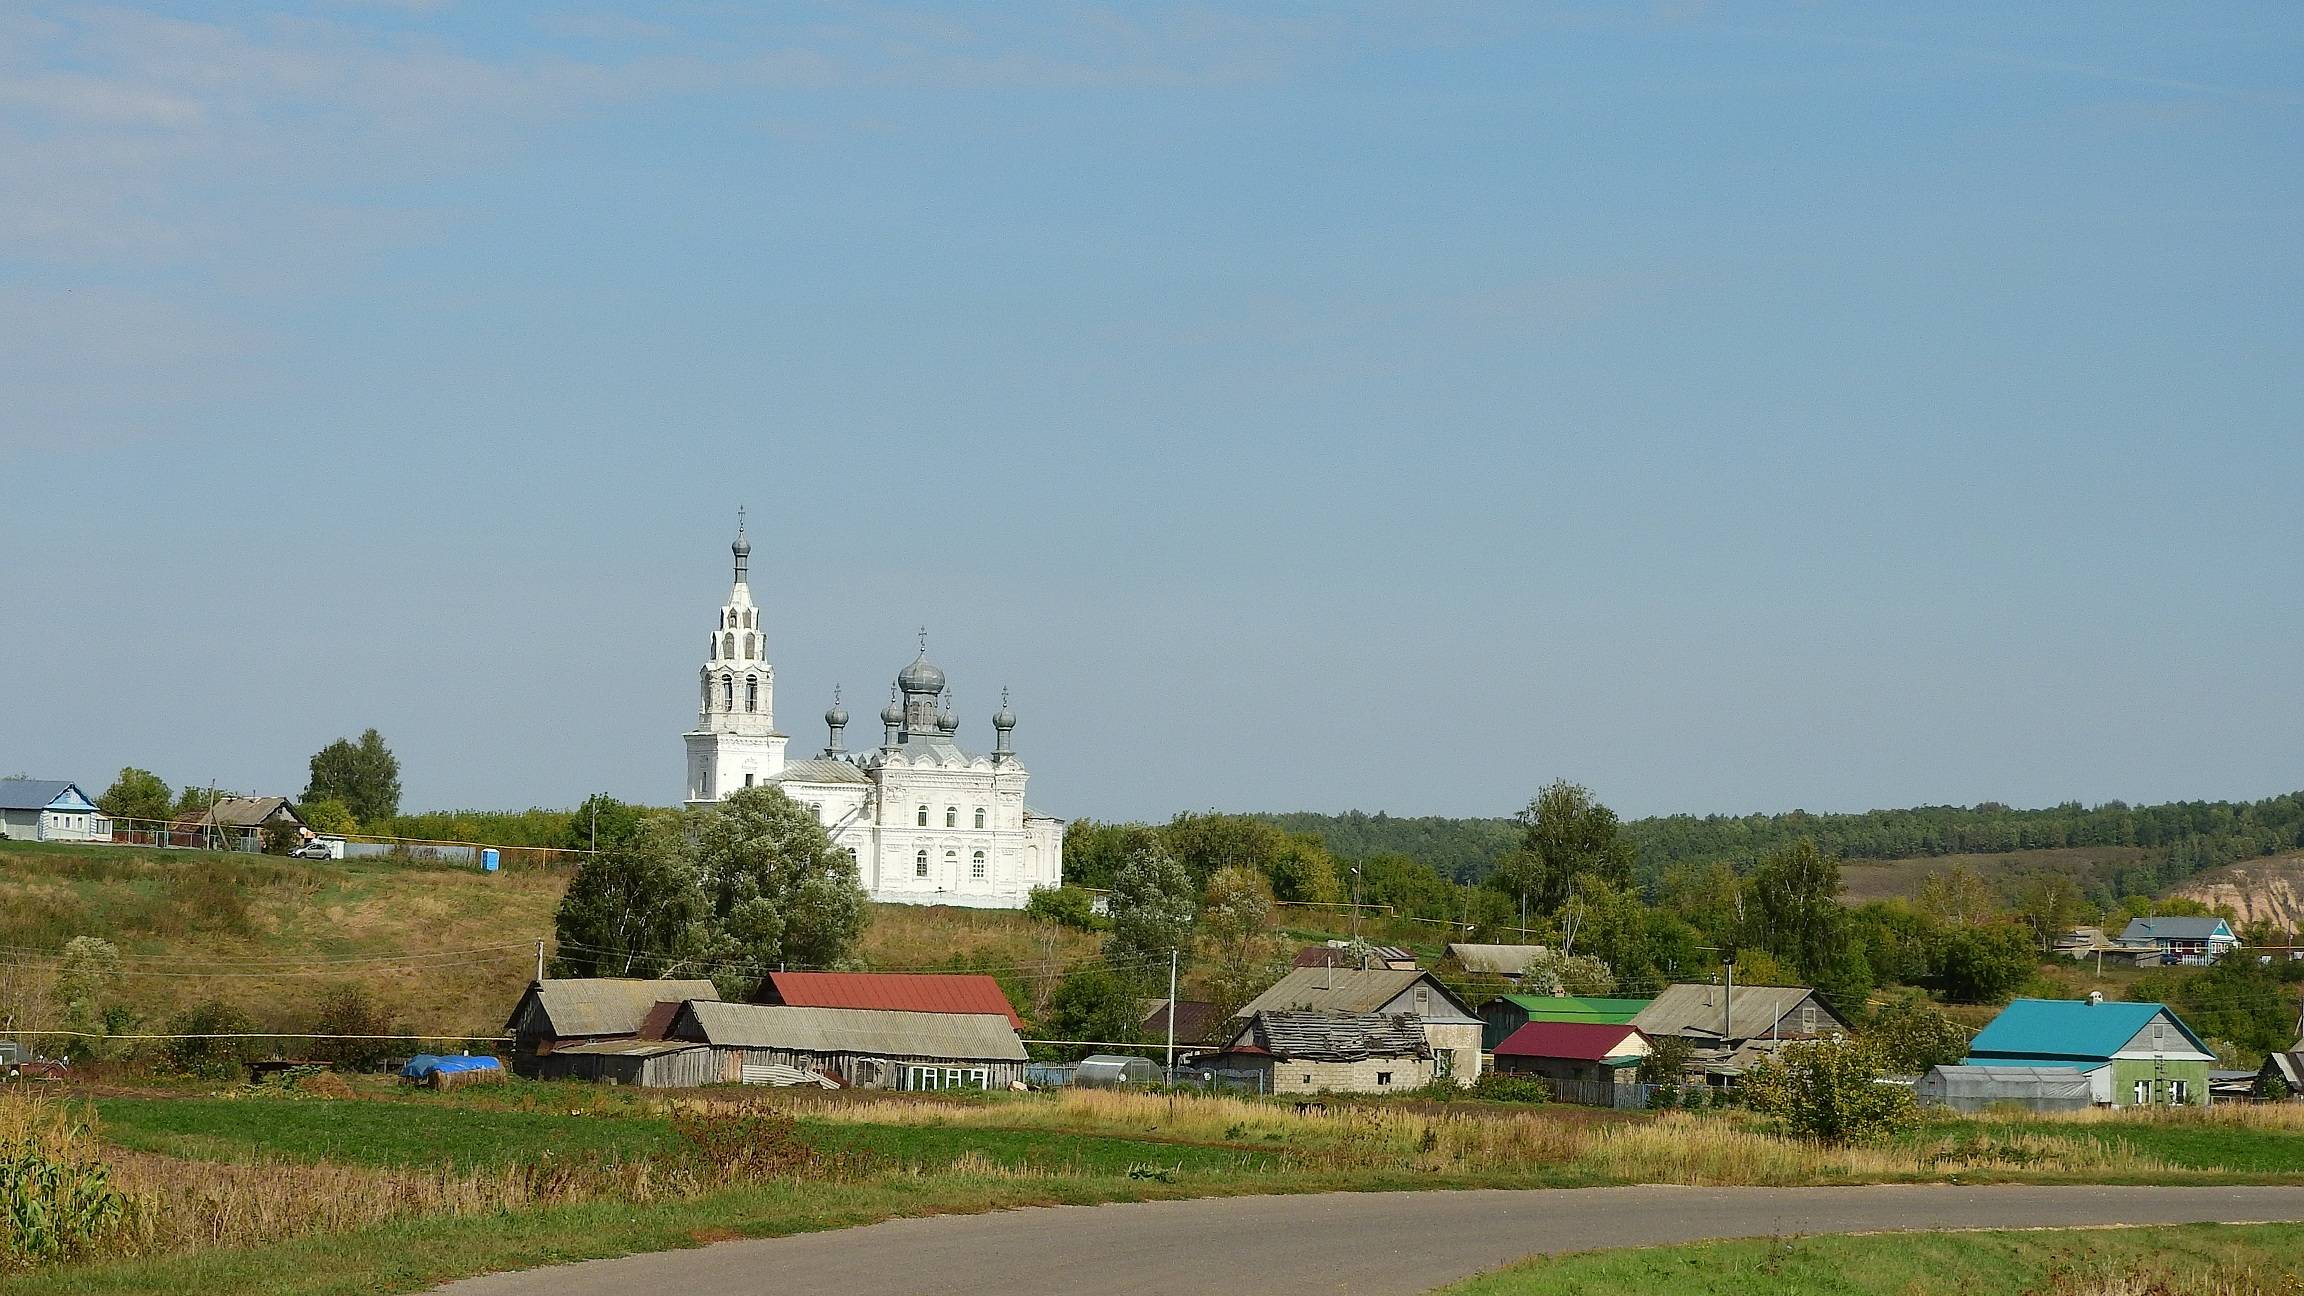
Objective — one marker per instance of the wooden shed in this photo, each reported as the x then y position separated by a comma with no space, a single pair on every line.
861,1048
649,1064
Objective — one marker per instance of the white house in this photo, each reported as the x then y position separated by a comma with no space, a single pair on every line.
50,810
928,821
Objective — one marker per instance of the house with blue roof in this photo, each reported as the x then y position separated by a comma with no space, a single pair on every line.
50,810
2131,1054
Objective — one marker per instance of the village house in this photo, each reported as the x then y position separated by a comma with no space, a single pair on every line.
1451,1030
1504,1014
559,1025
1731,1029
1303,1052
2130,1054
1590,1054
1339,954
50,810
861,1048
234,823
2180,940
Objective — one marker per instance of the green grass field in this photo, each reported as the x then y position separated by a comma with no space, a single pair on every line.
2202,1259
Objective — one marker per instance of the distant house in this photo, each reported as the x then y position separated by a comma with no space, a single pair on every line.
2287,1067
50,810
1730,1030
1328,1052
1578,1052
1507,961
235,823
557,1020
2180,940
1196,1022
1338,954
2131,1054
863,1048
1504,1014
921,992
1450,1028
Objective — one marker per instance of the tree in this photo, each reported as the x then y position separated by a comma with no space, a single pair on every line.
1983,964
83,978
1794,906
136,794
364,775
1555,973
1667,1060
1297,867
2049,906
1565,833
779,893
196,1051
1066,906
635,909
1912,1037
196,800
1153,907
1246,958
1096,1004
1094,852
1958,896
327,815
1827,1091
601,822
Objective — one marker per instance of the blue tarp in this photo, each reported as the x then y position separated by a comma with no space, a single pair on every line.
424,1064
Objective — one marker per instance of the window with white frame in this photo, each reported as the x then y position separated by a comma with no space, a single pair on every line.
918,1076
976,865
979,816
2143,1092
2179,1092
922,816
920,864
951,816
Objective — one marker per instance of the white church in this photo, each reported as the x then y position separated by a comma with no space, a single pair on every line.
928,822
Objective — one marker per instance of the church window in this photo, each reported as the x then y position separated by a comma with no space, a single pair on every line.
728,645
747,780
923,818
976,865
748,647
707,690
951,816
751,693
920,864
728,692
979,816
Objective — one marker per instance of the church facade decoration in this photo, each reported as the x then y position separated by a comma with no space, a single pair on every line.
928,821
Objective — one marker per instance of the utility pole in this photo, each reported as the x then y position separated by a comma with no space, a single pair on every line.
1171,1024
595,825
1355,904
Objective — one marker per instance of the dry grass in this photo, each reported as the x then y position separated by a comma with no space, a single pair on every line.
2286,1117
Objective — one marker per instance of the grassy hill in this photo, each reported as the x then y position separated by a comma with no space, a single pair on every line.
446,950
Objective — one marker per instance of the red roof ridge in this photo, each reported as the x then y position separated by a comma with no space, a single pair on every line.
930,992
1584,1041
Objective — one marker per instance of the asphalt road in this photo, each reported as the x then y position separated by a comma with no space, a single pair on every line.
1366,1244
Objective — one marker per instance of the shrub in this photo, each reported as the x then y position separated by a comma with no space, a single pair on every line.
1497,1086
1828,1091
351,1009
214,1059
1066,906
747,1145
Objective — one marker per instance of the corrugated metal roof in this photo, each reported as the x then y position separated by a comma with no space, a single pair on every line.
819,769
873,1032
1578,1041
33,794
1335,1036
1694,1011
628,1048
2152,929
1496,960
244,812
2070,1028
578,1006
916,992
1576,1008
1196,1022
1352,990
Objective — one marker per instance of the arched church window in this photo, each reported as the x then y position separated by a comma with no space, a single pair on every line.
951,816
707,701
920,864
979,816
728,645
747,647
752,620
751,693
923,818
976,865
727,692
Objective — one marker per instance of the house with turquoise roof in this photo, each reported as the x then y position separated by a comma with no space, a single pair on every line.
2131,1054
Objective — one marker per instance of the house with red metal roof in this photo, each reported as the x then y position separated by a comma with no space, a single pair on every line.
1577,1052
920,992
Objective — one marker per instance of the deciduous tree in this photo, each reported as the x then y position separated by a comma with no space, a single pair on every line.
1565,833
364,775
1153,906
636,909
778,890
136,794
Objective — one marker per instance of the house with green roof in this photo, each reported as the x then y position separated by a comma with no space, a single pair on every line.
2132,1054
1504,1014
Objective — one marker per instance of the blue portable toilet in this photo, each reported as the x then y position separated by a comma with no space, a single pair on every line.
488,859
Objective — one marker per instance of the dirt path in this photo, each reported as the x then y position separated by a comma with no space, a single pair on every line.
1366,1244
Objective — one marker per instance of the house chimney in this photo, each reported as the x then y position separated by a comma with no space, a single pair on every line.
2095,997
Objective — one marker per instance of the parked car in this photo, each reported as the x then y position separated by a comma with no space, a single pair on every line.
319,848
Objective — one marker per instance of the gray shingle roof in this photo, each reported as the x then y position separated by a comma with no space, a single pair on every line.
1335,1036
2151,929
31,794
580,1006
245,812
872,1031
1694,1011
1351,990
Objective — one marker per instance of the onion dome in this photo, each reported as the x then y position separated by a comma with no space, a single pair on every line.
946,722
893,713
1003,718
838,715
921,677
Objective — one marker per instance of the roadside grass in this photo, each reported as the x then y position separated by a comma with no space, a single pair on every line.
2183,1260
2240,1138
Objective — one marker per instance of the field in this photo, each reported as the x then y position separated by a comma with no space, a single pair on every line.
2186,1260
1862,880
393,1189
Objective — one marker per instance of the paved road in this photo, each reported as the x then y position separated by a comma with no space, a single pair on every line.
1365,1244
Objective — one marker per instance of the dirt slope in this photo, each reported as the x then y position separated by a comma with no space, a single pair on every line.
2260,889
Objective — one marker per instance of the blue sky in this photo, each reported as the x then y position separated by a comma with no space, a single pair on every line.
1729,407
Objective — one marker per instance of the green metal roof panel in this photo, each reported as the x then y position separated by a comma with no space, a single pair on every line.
2068,1028
1612,1012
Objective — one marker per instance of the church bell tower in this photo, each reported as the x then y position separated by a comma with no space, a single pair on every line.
735,744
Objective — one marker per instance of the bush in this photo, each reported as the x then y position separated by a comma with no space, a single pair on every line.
1068,906
214,1059
351,1009
1828,1091
1497,1086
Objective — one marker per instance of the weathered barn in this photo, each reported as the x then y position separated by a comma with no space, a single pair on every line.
558,1013
862,1048
647,1063
1450,1028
